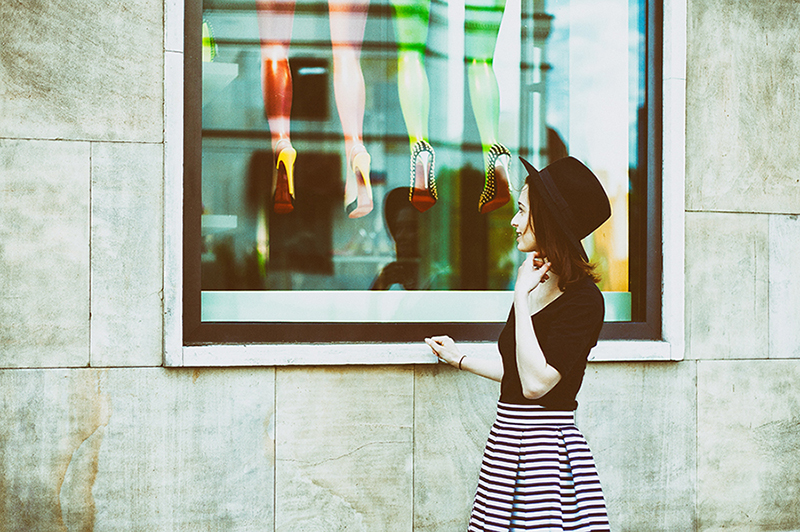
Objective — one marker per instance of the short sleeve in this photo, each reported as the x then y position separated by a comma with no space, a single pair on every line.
573,329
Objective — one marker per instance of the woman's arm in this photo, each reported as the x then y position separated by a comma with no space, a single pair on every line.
535,374
445,348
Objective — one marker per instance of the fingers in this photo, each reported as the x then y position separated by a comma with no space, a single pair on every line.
543,270
535,270
439,340
433,345
538,261
441,347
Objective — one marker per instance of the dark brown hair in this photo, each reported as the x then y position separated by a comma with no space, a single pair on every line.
565,261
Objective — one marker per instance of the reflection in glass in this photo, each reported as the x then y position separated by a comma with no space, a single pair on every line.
402,221
478,83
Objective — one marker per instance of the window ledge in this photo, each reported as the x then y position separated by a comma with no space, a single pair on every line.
374,353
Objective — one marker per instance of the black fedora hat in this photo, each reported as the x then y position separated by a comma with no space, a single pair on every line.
573,195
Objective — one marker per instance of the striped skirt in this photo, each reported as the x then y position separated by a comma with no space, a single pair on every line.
537,474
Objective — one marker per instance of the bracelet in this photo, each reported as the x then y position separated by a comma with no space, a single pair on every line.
460,361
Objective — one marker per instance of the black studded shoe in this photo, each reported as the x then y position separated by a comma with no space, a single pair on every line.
495,189
422,192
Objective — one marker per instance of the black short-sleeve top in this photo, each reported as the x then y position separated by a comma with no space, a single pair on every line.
567,329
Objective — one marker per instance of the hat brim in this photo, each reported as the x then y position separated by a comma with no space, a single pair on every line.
556,205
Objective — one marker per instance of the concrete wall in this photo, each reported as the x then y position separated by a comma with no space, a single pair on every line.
96,436
742,257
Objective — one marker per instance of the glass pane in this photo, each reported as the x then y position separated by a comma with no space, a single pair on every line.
346,145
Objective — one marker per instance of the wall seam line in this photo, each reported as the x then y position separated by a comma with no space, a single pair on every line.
275,449
696,445
89,140
766,295
413,446
760,213
91,187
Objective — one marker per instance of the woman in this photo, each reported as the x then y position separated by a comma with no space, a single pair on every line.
537,471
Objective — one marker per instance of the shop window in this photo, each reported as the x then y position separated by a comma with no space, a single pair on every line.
288,239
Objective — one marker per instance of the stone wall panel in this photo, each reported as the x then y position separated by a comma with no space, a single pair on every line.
742,104
639,420
453,413
126,256
784,288
136,450
44,253
727,285
51,420
82,70
748,421
344,449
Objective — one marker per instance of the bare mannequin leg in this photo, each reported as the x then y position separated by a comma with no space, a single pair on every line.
347,20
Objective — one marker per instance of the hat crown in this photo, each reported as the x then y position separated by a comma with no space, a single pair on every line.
582,191
573,195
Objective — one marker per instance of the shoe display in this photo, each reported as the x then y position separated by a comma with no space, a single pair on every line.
422,191
283,181
357,188
495,188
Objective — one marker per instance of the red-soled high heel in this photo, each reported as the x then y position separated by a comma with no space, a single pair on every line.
495,189
422,191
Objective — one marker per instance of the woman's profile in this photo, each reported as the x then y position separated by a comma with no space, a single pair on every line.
537,471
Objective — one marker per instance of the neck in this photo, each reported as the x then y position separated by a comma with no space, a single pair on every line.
544,294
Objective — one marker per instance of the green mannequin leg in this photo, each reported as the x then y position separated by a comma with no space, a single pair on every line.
414,92
485,97
481,27
411,26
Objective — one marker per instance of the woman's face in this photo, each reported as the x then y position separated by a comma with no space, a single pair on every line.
523,224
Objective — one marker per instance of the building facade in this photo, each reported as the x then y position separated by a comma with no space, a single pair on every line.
107,426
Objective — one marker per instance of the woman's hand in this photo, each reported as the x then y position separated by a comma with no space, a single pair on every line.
531,274
445,349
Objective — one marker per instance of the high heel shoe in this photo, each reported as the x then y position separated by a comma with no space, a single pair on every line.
495,189
422,192
283,182
357,188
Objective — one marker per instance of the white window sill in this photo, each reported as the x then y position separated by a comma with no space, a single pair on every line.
418,353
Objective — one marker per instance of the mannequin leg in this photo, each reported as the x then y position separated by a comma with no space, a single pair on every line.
482,25
414,93
485,98
347,20
275,27
411,26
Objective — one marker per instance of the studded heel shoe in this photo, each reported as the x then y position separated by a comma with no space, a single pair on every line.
422,191
495,188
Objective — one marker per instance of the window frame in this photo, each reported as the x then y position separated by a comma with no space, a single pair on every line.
659,338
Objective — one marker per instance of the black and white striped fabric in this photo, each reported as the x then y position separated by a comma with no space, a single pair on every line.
537,474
